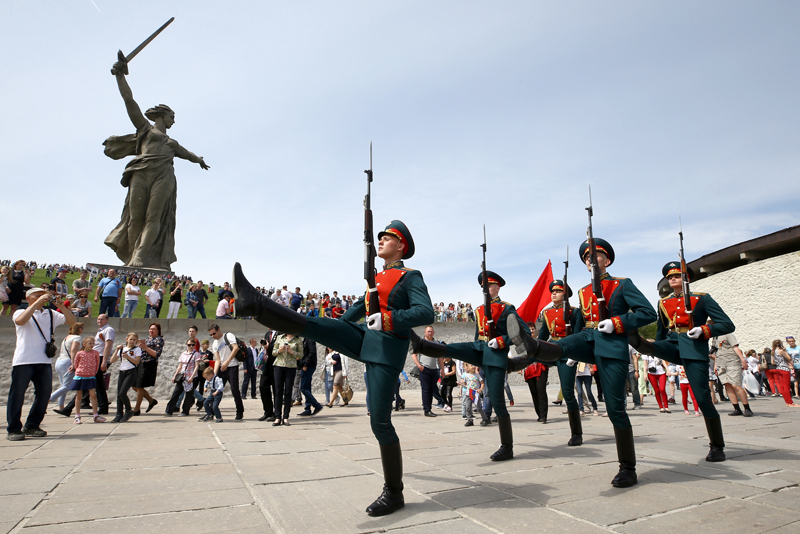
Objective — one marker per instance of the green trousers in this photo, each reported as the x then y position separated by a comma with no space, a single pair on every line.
474,352
613,374
566,376
347,338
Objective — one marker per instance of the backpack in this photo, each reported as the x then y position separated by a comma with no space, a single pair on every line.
241,355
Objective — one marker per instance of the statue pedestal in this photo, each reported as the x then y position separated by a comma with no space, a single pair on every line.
127,270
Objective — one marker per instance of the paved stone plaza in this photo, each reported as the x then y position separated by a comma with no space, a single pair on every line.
159,474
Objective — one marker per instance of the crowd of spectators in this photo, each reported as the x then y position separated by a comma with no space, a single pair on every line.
283,366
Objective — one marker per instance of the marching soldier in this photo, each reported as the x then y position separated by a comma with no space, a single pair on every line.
553,329
381,342
605,343
681,345
491,355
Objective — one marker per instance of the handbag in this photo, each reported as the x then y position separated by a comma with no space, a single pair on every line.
50,349
762,364
347,391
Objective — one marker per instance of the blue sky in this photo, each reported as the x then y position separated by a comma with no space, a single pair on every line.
480,113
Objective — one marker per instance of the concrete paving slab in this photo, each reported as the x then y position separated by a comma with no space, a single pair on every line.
690,482
89,484
460,498
462,526
7,526
195,521
31,480
15,507
730,473
358,452
436,480
276,469
45,461
11,450
518,515
607,508
788,499
409,465
337,506
107,459
58,510
724,515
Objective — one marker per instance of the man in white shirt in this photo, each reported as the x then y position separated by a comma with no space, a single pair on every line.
153,297
31,364
225,348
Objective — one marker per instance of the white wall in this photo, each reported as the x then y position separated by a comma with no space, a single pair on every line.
762,299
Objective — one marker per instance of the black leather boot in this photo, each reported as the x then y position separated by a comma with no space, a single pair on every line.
626,453
506,450
391,499
534,349
716,441
641,345
421,345
251,303
576,428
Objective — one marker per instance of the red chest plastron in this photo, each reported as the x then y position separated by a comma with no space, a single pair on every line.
385,282
675,311
497,310
554,318
589,302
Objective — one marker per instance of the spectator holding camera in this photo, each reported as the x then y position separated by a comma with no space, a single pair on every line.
31,362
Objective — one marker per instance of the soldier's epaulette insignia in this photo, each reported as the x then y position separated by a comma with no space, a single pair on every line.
697,294
616,278
407,269
506,303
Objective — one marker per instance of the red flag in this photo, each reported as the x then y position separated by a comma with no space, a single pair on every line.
539,296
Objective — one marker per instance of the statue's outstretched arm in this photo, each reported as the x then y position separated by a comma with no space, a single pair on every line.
191,156
135,114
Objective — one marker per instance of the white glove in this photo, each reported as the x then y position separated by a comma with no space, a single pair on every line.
374,321
695,332
606,326
493,344
571,362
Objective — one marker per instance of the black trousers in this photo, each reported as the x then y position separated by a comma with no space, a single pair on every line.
538,387
188,399
428,378
266,388
231,374
125,381
284,382
249,378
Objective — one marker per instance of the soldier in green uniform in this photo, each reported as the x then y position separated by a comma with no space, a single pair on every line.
381,342
553,329
680,342
605,343
489,354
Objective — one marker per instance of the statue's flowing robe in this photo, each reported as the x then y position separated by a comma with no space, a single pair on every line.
146,230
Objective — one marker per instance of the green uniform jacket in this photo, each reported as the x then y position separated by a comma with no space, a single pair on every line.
627,308
498,357
703,308
408,305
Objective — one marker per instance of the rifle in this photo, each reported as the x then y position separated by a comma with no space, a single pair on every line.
372,303
487,298
597,288
687,299
567,307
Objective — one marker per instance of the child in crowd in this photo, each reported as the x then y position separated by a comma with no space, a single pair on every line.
129,355
473,387
213,391
448,381
686,390
85,365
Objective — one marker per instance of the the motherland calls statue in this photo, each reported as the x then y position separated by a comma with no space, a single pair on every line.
145,237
